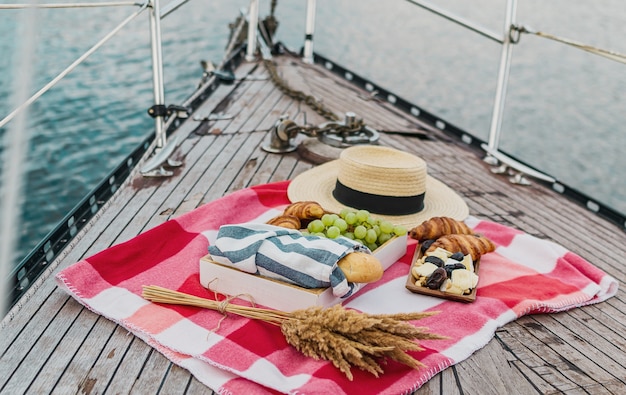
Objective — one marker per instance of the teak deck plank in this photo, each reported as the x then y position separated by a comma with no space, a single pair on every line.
52,344
71,341
476,375
153,371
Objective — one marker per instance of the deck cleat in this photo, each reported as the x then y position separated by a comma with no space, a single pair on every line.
502,169
156,165
351,131
519,179
518,172
281,136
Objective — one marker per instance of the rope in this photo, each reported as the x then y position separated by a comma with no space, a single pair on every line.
273,7
612,55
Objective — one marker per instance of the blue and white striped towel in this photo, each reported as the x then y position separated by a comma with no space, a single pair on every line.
287,255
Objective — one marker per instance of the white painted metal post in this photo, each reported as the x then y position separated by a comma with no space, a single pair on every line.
253,21
157,74
503,76
17,138
310,29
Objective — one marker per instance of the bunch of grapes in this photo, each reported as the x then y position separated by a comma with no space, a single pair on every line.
357,225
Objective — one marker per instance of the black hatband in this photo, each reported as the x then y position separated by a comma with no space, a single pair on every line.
378,204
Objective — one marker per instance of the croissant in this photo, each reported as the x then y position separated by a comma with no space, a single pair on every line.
286,221
439,226
475,245
305,210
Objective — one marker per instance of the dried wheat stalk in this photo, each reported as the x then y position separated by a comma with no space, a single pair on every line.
345,337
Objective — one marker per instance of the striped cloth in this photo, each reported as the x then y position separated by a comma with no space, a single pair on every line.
286,254
525,275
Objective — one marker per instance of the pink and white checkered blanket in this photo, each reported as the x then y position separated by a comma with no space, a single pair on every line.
524,275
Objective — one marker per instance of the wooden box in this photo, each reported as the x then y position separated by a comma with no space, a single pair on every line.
278,294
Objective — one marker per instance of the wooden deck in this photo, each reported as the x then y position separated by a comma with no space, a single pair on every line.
52,344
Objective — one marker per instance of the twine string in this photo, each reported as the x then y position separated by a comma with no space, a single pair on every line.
223,305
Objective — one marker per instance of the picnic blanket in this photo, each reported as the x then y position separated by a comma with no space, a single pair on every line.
524,275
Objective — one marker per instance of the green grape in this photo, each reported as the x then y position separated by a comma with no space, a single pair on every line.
371,246
327,219
372,221
319,234
349,235
344,212
350,218
386,227
371,236
360,232
376,229
315,226
399,230
362,215
333,232
341,224
384,237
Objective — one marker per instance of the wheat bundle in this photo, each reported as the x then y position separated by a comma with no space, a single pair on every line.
344,337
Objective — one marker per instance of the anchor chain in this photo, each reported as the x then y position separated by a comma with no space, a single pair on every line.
270,24
336,132
309,100
330,128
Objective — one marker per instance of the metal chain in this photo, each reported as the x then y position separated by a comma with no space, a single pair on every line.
335,132
334,126
328,128
311,101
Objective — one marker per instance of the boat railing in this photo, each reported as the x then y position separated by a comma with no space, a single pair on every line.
22,278
157,111
511,35
47,250
508,38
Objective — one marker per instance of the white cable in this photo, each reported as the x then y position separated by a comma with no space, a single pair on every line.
71,67
66,5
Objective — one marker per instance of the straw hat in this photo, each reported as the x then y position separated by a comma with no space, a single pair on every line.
389,183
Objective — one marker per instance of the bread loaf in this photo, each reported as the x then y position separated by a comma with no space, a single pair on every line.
360,267
475,245
437,227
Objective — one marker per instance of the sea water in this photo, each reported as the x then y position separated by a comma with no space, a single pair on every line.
564,113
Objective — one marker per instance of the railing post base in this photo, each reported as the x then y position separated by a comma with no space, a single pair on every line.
253,21
310,28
